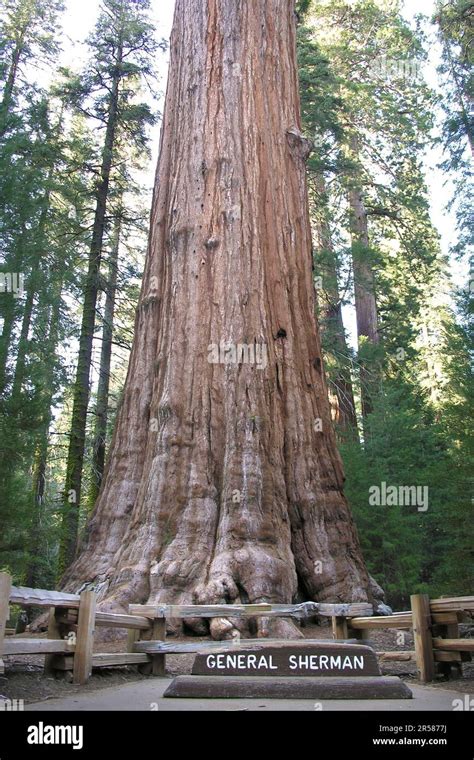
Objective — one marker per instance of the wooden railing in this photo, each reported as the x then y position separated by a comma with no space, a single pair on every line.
71,627
157,647
435,626
73,619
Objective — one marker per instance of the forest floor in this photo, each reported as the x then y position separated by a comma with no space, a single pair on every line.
24,677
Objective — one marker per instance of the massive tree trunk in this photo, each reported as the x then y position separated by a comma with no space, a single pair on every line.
220,485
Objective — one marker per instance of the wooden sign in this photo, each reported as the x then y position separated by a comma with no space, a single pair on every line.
289,659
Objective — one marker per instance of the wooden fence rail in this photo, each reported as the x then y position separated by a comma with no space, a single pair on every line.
71,627
73,619
443,616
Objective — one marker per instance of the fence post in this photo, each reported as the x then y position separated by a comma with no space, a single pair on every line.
57,629
339,628
85,638
159,660
54,632
449,631
420,607
5,587
133,635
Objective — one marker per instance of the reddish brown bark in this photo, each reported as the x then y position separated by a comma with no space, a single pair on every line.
229,260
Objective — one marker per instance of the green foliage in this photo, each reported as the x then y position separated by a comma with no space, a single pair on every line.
456,33
454,22
49,171
28,33
370,114
122,49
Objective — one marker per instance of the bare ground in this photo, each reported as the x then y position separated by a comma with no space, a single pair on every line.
24,677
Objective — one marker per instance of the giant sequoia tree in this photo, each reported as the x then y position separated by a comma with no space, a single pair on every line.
224,483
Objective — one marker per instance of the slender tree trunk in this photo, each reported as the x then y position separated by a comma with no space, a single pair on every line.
9,315
25,328
72,490
5,105
331,322
102,405
364,281
10,311
219,485
344,409
33,572
364,291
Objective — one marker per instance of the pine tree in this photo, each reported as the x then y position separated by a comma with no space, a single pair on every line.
455,31
369,148
28,33
122,47
48,244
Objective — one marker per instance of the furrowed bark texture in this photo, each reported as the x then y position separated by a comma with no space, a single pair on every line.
229,260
